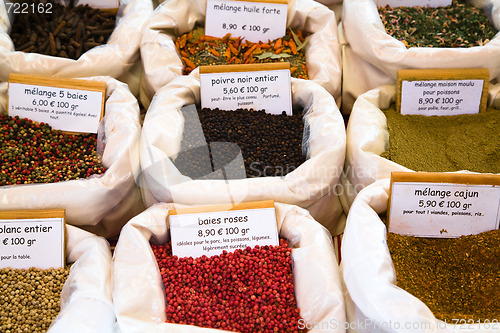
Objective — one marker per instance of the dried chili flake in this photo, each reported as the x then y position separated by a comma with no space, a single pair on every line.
454,26
197,49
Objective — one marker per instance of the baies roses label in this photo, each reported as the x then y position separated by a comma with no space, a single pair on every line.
70,105
210,230
443,205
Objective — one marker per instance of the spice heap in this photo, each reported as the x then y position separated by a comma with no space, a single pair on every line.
445,143
248,290
454,277
457,25
197,49
63,31
271,145
32,152
30,298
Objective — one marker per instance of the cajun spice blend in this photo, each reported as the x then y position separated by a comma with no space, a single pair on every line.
457,278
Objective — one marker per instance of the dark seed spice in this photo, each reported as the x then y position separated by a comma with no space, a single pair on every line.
248,290
445,143
271,145
65,31
457,278
197,49
457,25
32,152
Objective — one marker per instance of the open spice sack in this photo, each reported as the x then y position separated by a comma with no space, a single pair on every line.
377,299
371,57
162,61
59,41
419,143
139,292
76,298
99,196
288,164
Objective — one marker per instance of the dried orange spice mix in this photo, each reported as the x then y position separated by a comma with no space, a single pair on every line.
197,49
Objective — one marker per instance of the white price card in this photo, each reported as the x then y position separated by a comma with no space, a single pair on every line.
252,20
443,205
70,105
252,86
32,239
100,4
442,92
211,230
414,3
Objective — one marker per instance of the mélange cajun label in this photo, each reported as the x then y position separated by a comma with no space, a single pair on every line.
252,20
443,205
70,105
211,230
414,3
442,92
33,238
252,86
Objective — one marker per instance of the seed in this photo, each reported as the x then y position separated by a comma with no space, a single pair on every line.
62,26
30,298
217,292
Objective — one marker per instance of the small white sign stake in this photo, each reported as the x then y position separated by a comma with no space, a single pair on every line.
34,238
252,20
70,105
210,230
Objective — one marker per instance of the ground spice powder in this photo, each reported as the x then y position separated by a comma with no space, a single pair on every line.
445,143
457,25
457,278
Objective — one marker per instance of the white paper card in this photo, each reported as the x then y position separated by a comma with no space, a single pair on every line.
26,243
441,97
101,4
254,21
414,3
443,210
211,233
63,109
259,90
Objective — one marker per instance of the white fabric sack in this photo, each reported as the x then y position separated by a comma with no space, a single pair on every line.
171,19
368,137
139,295
101,204
312,185
86,304
371,57
373,302
115,58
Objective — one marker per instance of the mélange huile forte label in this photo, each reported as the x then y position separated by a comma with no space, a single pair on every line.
252,20
213,229
442,92
443,204
70,105
253,86
32,239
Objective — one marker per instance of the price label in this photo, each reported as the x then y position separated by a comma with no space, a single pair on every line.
65,104
414,3
444,92
443,205
254,86
211,230
253,20
32,239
